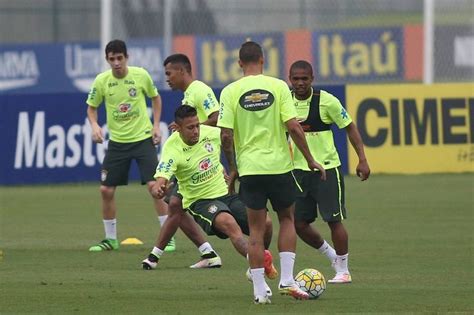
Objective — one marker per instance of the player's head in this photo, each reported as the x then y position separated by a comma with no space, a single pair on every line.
117,57
301,78
250,53
178,71
187,124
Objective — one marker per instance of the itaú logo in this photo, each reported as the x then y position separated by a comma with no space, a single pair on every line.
18,69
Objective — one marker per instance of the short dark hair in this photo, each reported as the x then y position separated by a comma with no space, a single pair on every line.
184,111
116,46
250,52
301,64
180,59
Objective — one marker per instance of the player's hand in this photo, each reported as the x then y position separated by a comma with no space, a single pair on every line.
156,135
231,178
160,189
313,165
97,136
363,170
172,126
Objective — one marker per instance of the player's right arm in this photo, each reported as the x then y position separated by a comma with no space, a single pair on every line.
97,135
94,99
226,122
288,116
166,168
159,188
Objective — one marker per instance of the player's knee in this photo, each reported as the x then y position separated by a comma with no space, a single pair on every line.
226,223
175,205
107,192
300,225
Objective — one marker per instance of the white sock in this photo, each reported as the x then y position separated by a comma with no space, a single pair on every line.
342,262
258,281
110,227
205,248
162,219
287,263
327,250
157,252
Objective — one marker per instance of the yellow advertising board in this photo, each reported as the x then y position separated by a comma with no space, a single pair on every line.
414,128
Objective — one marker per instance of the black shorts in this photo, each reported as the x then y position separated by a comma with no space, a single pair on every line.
119,156
325,196
204,212
256,190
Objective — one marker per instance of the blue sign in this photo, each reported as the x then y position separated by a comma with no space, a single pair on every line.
69,67
49,137
359,55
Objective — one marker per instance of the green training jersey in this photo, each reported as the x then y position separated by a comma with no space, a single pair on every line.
197,167
321,143
256,107
125,103
200,96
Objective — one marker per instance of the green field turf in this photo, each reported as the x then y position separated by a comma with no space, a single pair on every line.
411,251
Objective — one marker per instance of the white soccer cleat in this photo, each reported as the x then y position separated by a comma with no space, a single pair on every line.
214,262
147,264
341,277
248,274
262,300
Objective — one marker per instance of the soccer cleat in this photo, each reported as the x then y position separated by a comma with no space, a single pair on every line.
107,244
171,247
270,270
208,260
262,300
294,291
341,277
150,263
248,274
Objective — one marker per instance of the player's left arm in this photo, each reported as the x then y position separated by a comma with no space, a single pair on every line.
156,107
211,107
212,119
336,113
362,169
151,91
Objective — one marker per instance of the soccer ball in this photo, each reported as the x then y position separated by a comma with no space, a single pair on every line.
312,282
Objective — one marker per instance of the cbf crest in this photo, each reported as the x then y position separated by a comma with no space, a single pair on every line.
132,92
208,146
212,208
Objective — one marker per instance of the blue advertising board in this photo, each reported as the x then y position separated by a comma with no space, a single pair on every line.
49,137
69,67
359,55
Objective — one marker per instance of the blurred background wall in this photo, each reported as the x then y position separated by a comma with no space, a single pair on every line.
404,70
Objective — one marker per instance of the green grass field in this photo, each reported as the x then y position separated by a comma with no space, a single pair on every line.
411,251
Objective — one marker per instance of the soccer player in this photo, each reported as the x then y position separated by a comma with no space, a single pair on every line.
256,111
178,74
197,94
132,136
317,110
193,155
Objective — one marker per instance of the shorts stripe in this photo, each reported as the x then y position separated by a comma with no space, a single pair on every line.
339,192
195,214
297,184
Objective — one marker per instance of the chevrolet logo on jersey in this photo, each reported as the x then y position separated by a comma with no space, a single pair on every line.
256,100
256,97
